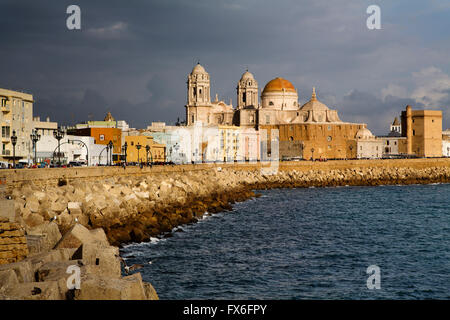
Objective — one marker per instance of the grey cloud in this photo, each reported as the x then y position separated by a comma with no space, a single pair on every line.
132,57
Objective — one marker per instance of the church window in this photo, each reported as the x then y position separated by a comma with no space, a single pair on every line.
192,118
329,138
395,143
329,128
295,103
270,103
387,142
414,132
244,97
267,119
200,91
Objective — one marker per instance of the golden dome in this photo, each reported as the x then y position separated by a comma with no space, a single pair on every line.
278,84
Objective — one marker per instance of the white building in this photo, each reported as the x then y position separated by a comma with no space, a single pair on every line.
72,148
446,143
368,146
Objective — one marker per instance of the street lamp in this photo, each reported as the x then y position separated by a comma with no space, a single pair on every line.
138,147
58,135
147,148
35,137
124,150
14,141
110,147
312,154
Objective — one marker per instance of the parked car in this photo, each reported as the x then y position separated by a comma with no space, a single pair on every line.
4,165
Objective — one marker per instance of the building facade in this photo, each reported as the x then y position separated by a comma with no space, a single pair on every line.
137,149
16,115
423,131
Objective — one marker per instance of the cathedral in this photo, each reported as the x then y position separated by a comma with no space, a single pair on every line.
279,104
311,130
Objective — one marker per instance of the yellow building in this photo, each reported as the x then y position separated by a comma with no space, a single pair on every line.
156,151
423,132
16,115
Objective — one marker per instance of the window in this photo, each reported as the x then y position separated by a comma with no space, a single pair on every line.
270,103
244,97
329,138
267,119
192,119
387,142
414,132
329,128
395,143
102,137
295,103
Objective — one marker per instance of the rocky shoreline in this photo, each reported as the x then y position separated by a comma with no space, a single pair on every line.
134,208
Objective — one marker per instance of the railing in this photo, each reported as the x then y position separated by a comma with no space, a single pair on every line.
6,152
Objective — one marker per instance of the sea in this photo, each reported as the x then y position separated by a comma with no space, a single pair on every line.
377,242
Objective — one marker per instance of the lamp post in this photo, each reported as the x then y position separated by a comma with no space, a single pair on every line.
138,147
110,147
58,135
312,154
35,137
147,148
124,150
14,141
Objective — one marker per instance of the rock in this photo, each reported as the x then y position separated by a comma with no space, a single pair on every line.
40,196
103,259
142,195
95,287
50,233
8,279
150,292
23,270
58,206
33,220
33,205
48,290
79,235
74,208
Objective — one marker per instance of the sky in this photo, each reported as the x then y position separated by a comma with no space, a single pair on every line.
132,58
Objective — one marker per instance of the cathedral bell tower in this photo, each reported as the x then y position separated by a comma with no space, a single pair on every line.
198,93
247,91
198,87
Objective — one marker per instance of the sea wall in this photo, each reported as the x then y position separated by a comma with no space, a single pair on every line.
134,204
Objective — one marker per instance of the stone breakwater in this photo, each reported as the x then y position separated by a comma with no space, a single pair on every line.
80,216
136,205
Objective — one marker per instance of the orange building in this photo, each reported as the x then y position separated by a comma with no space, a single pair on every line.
103,136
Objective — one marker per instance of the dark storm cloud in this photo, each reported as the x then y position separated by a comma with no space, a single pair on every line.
132,57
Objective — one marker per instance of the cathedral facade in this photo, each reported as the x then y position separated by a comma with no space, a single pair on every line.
311,130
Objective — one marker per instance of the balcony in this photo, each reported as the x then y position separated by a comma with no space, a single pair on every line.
6,152
6,108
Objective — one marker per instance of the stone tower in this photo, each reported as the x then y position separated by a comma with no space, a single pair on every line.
247,91
198,87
